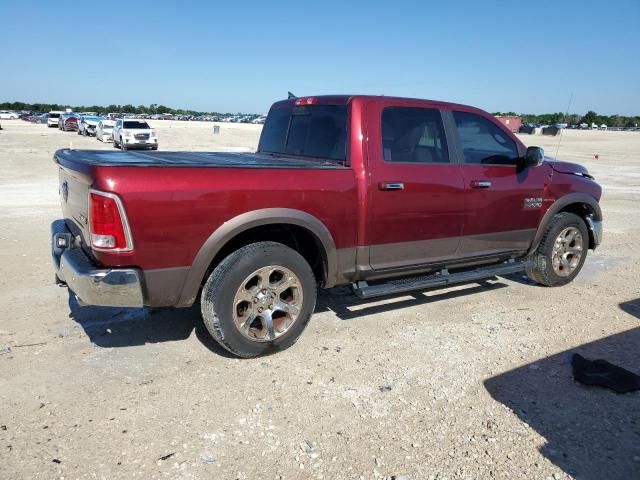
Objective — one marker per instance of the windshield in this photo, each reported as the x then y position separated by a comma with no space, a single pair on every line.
135,124
54,115
107,127
307,131
93,119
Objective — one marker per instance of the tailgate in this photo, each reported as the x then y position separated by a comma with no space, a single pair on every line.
74,197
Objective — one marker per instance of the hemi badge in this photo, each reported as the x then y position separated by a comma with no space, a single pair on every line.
534,202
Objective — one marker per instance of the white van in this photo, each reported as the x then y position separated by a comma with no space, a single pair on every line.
54,115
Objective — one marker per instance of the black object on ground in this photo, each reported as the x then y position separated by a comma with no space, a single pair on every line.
604,374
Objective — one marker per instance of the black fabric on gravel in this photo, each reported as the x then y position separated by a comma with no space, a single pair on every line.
604,374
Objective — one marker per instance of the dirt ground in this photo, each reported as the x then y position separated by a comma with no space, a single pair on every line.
471,382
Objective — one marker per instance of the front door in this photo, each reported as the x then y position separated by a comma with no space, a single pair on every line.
503,200
416,190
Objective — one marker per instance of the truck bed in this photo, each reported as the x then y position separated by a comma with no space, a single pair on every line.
77,159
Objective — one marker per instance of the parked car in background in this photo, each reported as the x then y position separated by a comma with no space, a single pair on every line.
54,117
40,119
69,123
6,115
104,130
134,133
63,117
389,194
87,125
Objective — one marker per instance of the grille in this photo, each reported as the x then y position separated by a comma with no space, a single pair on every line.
142,136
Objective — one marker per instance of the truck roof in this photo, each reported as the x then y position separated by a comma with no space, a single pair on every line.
345,99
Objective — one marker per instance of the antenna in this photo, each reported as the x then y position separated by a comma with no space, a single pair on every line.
565,117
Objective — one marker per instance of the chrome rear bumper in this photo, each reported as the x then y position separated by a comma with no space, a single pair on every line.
108,287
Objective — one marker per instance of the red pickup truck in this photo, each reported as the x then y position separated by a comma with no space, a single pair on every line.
387,194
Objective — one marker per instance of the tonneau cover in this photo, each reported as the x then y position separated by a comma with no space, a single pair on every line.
101,158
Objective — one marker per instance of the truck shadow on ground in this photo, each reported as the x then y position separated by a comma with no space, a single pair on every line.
347,306
125,327
591,433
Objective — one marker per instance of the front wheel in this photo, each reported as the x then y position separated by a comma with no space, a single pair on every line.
259,299
562,251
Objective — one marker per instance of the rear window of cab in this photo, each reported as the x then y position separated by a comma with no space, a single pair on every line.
315,131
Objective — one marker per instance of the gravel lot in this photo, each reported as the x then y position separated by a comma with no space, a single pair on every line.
468,382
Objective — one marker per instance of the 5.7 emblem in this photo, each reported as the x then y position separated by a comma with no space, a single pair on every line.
533,202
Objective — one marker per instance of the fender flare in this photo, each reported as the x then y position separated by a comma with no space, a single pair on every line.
558,205
243,222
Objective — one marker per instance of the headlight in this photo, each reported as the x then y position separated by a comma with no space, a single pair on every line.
127,134
153,134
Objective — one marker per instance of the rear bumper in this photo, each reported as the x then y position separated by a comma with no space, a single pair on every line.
108,287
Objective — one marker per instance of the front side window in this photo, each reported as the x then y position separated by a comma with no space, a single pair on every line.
413,135
483,142
316,131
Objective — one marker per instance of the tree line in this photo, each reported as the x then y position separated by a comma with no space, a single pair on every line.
140,109
547,118
575,119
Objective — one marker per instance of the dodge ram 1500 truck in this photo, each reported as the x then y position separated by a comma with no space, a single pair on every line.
387,194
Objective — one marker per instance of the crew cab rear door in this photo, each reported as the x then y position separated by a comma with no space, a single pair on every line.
415,190
503,201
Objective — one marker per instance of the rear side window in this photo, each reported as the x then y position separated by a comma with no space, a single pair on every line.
483,142
317,131
413,135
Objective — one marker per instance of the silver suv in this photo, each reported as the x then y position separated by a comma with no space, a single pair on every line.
133,133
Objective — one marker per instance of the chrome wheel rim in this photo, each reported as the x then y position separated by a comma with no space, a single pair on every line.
267,303
567,251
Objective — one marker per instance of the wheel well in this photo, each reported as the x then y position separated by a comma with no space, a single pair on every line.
582,210
298,238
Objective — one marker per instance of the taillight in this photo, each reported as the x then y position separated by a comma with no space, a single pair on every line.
108,223
306,101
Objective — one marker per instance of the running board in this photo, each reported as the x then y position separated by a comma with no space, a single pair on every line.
440,279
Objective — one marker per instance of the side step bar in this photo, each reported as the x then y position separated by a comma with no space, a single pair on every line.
440,279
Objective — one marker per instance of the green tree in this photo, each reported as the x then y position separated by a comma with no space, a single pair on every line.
590,117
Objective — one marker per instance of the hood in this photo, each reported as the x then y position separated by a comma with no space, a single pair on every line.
568,167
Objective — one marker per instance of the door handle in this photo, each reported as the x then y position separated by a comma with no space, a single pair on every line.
391,186
480,184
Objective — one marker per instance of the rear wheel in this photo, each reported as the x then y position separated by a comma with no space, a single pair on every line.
259,299
562,251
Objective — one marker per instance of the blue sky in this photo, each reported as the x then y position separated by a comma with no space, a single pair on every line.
241,56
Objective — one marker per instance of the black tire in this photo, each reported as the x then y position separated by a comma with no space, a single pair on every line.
542,271
115,144
218,293
155,147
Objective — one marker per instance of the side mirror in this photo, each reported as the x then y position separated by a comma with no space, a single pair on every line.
534,157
